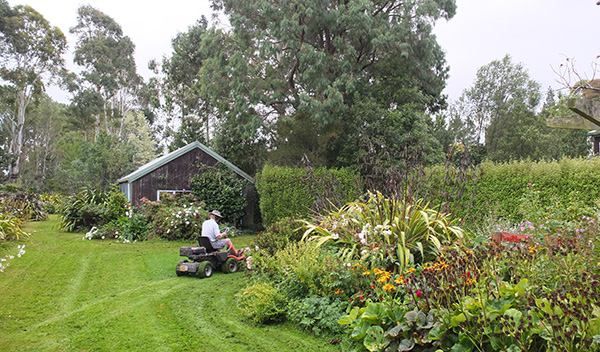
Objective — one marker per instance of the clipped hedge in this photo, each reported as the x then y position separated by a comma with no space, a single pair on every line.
292,192
503,185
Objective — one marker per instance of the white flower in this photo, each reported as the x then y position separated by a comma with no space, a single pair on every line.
335,236
102,237
363,252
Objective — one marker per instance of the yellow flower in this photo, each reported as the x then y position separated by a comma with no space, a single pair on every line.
400,280
532,249
382,279
389,287
410,270
366,272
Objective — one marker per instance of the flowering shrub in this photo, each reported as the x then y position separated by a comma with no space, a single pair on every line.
180,221
51,202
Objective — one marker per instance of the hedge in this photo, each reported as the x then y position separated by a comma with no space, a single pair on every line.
292,192
502,186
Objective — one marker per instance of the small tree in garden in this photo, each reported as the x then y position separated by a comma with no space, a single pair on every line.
218,187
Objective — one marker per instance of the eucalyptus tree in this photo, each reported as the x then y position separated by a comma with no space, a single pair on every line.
179,86
31,55
108,83
305,59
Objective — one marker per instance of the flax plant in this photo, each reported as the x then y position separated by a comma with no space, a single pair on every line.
386,231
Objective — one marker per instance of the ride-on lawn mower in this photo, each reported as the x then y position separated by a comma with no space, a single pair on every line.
205,259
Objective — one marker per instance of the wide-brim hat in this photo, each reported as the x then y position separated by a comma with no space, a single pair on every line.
216,213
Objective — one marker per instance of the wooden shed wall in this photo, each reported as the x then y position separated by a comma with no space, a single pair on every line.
174,175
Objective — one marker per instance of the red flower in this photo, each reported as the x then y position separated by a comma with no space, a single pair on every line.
361,298
419,293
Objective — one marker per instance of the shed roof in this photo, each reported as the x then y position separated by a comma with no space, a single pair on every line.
165,159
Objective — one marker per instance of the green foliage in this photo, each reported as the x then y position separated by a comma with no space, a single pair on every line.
127,228
219,188
90,208
92,164
52,202
320,53
10,227
386,232
316,314
302,269
279,235
262,303
290,192
32,54
105,55
21,203
502,186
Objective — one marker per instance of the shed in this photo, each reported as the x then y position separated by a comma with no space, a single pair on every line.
173,172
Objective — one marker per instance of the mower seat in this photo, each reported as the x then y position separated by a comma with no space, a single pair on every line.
205,242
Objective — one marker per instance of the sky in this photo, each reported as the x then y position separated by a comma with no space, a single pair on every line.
539,34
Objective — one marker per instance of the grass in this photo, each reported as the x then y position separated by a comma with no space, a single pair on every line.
67,294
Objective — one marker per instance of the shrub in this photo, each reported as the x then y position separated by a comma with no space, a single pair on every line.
278,235
128,228
10,227
219,188
294,192
51,202
262,303
317,314
91,208
21,203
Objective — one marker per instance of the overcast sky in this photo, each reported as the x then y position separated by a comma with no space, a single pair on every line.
540,34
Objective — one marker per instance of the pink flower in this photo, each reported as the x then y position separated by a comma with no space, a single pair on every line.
419,293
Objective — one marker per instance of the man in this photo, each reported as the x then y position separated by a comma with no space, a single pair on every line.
210,229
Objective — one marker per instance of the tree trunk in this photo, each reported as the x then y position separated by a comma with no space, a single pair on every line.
17,141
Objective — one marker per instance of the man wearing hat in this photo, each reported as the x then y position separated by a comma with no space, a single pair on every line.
210,229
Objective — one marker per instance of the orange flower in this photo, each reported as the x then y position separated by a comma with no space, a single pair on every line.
389,287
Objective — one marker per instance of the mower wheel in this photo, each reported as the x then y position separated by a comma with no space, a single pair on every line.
231,266
205,269
179,273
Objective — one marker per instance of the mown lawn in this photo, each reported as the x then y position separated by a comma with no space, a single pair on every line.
67,294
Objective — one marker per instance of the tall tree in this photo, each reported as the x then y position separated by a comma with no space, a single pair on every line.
138,134
43,129
180,87
499,87
109,81
31,55
501,105
307,58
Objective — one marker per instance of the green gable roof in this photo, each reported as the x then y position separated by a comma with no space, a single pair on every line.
165,159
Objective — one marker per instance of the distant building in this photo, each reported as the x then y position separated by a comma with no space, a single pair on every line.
173,172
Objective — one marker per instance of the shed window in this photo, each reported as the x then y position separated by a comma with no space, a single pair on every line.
170,191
